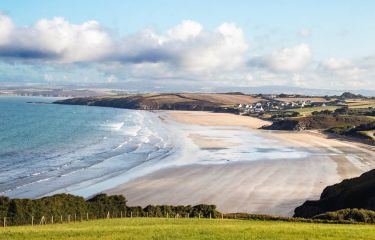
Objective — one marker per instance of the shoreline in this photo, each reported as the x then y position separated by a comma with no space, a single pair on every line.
244,183
215,158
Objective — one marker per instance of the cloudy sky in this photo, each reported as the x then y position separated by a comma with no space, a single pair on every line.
202,44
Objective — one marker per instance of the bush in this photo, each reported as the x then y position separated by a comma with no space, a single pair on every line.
340,129
101,204
323,112
354,215
285,114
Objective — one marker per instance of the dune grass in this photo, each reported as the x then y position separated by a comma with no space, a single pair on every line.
156,228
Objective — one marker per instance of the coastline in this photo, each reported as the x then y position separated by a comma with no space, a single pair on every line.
304,164
193,157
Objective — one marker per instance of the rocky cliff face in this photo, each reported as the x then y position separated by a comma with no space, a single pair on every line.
351,193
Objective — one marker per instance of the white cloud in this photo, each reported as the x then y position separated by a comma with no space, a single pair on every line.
353,73
6,28
335,64
187,47
54,39
74,43
186,30
288,59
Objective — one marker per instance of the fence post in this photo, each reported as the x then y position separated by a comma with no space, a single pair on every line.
167,215
147,214
52,219
75,217
61,219
108,215
69,218
210,215
121,214
131,214
32,220
42,220
188,215
5,221
199,216
87,216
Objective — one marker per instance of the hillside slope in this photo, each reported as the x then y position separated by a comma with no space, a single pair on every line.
170,101
357,192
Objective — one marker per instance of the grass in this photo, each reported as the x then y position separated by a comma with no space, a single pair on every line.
308,110
369,133
360,103
156,228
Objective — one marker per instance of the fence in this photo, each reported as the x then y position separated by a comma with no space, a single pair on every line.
73,218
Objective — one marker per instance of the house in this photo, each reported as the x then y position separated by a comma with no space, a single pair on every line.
258,108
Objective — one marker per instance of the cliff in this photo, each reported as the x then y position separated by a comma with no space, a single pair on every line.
357,192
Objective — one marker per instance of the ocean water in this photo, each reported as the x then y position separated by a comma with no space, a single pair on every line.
47,148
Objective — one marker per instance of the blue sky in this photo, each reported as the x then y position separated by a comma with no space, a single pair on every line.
337,33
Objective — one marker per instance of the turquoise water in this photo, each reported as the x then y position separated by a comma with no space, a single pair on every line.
46,147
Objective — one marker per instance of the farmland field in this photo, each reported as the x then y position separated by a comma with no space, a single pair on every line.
154,228
308,110
353,103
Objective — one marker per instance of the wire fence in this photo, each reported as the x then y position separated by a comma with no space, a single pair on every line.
7,221
75,218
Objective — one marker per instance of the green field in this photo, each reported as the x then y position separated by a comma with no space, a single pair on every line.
156,228
361,103
308,110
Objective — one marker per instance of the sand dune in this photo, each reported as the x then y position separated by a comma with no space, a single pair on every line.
259,186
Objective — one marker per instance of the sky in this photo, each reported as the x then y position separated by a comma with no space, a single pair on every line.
189,44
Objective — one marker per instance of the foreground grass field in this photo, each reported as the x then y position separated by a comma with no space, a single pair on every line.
154,228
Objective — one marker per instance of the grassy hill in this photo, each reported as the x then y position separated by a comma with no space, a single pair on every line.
166,101
159,228
357,192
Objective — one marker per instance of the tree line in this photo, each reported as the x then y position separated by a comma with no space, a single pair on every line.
67,207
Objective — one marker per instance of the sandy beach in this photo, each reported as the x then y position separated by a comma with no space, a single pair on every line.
240,168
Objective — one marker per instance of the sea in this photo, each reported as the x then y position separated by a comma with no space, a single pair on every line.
47,148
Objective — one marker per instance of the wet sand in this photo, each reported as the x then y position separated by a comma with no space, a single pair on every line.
267,186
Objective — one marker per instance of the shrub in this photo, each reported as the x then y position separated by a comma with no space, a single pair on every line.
354,215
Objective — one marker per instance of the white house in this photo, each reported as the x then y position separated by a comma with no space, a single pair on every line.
258,108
